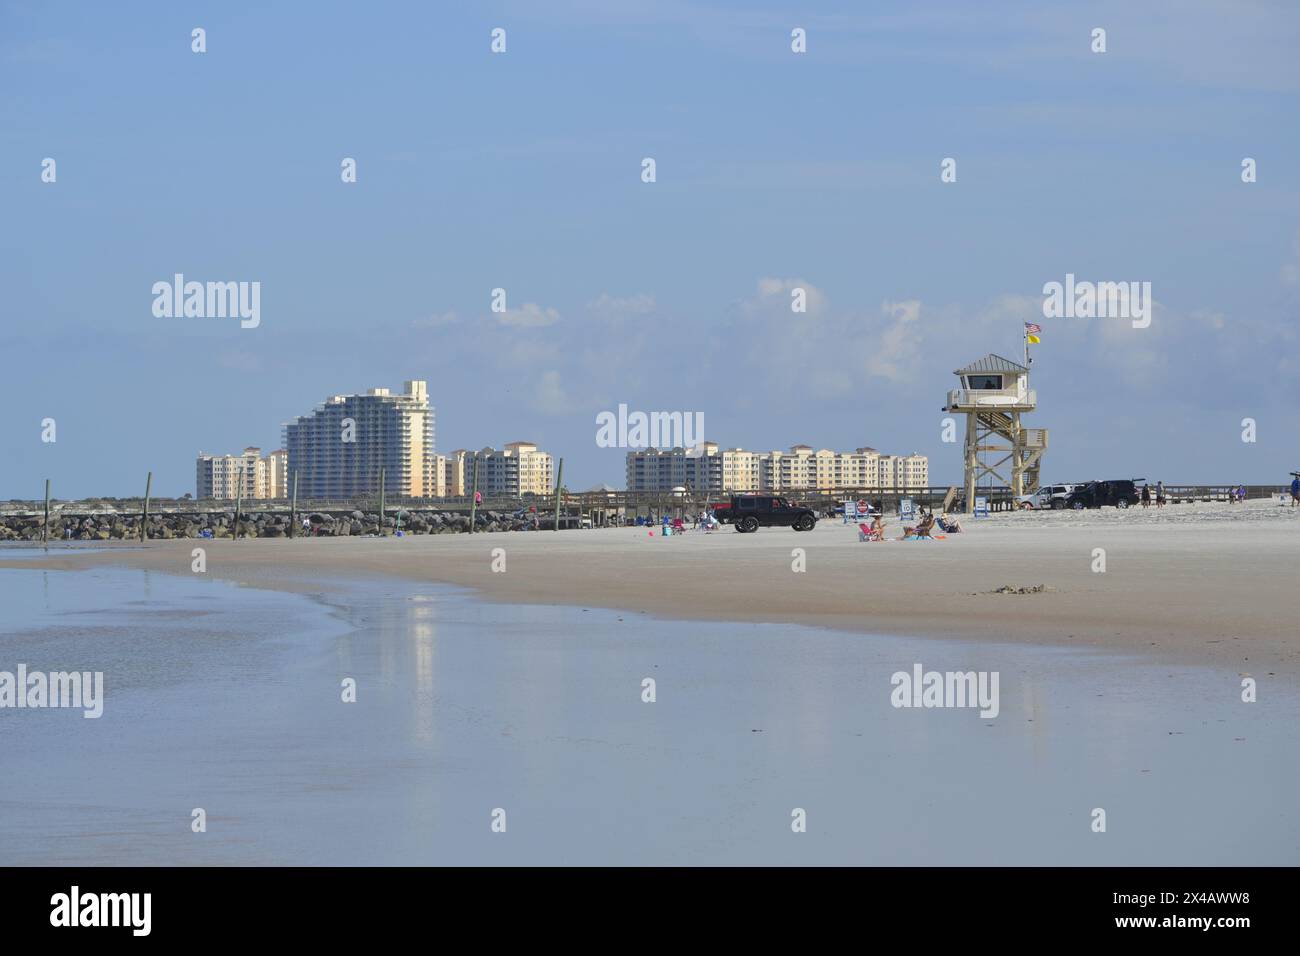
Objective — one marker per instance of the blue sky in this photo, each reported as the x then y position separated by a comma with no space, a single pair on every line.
522,171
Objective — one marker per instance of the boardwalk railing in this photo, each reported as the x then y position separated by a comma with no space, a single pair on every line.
598,505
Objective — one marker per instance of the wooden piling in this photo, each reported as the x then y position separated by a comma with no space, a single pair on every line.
239,498
45,535
144,518
293,507
383,474
559,477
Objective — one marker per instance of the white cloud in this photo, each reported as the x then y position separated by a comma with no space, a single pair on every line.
815,298
434,321
1291,268
609,306
893,354
529,315
550,396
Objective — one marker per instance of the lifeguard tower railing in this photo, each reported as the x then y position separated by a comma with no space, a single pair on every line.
962,399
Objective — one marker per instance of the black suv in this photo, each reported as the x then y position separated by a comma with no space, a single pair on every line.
1095,494
751,512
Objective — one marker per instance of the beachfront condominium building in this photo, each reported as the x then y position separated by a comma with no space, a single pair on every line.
277,474
904,471
697,469
247,475
340,449
451,471
711,469
518,469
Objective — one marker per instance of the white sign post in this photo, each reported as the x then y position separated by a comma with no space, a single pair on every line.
906,509
981,507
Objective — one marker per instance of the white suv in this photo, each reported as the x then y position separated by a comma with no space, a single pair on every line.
1053,496
1048,496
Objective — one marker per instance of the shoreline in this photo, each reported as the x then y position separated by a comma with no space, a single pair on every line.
1179,590
464,706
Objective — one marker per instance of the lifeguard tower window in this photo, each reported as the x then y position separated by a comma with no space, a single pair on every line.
984,382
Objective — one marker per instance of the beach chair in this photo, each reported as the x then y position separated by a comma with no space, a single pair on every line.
867,533
679,527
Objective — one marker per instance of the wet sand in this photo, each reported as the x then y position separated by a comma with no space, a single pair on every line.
1188,585
228,699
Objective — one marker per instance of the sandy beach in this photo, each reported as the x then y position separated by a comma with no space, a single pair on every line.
1192,584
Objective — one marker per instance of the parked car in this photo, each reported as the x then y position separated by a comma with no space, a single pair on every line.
1054,496
1047,496
1098,494
751,512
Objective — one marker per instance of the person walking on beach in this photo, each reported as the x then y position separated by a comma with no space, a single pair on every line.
1295,489
1146,496
1160,495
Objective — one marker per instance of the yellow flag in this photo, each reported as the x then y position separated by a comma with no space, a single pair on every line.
1034,340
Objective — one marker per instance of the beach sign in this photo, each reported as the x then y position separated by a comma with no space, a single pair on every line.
907,508
981,507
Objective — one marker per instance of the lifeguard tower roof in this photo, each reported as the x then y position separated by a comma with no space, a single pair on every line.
991,363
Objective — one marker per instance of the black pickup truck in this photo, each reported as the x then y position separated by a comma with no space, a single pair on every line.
751,512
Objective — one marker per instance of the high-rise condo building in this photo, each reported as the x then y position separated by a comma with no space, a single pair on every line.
339,450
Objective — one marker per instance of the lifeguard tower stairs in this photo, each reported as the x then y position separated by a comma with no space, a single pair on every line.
994,393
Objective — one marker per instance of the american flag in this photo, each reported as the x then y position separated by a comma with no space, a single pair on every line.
1033,328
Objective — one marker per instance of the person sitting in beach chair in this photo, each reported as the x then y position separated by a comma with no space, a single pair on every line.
922,529
948,524
870,532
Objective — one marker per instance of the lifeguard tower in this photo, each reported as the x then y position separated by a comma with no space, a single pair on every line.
994,393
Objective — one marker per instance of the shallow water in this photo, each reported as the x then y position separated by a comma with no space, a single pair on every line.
228,699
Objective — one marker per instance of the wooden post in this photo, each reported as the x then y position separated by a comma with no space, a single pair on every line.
473,497
383,474
559,477
293,507
144,519
239,498
45,535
